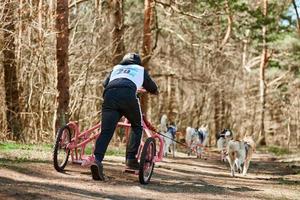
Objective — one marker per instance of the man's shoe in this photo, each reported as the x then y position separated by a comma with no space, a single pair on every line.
97,171
132,164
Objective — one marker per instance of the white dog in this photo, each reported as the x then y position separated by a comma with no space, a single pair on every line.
223,138
240,152
196,139
169,132
169,140
164,123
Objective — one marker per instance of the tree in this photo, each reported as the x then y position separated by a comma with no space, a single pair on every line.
63,79
262,85
147,43
297,15
10,72
117,32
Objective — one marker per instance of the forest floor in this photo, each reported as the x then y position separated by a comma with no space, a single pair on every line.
33,177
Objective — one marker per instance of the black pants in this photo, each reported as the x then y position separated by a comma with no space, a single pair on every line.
119,102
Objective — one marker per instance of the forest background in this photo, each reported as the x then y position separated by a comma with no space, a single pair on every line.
227,63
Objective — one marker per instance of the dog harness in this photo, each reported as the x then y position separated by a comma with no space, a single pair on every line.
172,130
247,147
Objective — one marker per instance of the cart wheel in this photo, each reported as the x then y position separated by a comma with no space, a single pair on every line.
147,161
60,151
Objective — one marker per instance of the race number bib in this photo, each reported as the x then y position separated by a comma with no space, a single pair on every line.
135,73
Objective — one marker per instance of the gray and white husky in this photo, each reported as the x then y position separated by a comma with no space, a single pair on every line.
240,153
223,138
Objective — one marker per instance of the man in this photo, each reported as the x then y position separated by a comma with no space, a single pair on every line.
120,99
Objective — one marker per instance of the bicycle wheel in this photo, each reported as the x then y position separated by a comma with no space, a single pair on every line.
147,161
60,151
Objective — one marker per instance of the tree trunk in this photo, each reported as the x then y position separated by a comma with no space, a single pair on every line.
217,113
19,38
229,26
223,109
63,80
289,133
117,32
147,43
298,121
40,22
10,73
263,63
297,15
169,96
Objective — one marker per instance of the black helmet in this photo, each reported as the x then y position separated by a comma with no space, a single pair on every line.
131,58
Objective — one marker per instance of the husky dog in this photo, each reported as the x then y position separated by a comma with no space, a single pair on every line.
164,123
223,138
169,131
196,139
240,153
169,140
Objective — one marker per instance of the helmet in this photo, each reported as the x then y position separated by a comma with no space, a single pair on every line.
131,58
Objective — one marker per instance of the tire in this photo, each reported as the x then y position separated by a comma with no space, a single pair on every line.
63,138
147,161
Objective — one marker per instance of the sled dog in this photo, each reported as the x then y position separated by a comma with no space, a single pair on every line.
240,153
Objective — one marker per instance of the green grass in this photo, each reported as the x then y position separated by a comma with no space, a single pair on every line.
18,152
278,151
12,152
12,146
113,151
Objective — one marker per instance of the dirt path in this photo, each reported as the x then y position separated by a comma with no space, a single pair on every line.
179,178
